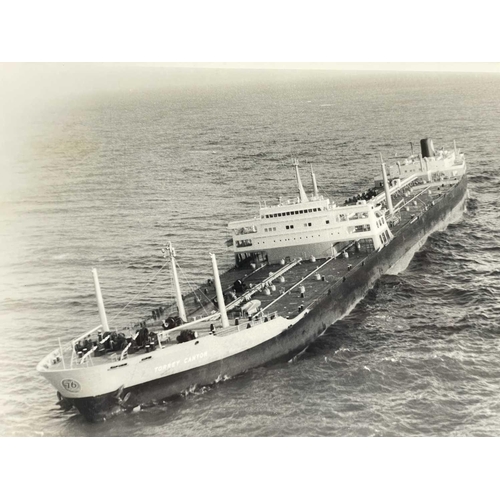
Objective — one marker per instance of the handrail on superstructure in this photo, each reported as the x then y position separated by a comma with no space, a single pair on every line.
125,351
74,341
93,348
87,355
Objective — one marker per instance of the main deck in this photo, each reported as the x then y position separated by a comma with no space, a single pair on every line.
300,285
283,289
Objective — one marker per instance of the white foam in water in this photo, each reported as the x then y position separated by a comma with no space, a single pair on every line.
454,216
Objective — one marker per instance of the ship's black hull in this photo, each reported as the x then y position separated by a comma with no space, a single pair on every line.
335,304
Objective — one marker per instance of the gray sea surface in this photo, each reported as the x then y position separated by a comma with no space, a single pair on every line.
102,169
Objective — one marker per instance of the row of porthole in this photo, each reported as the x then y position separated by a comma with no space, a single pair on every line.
300,237
295,212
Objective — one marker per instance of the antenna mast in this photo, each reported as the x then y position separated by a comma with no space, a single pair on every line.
178,294
386,187
302,193
315,186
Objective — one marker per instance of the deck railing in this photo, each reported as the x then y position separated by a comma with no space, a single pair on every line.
257,320
74,355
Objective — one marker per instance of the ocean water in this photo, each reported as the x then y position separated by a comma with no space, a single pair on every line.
103,167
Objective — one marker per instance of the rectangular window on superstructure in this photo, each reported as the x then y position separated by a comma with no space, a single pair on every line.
288,213
291,227
328,222
309,224
301,211
244,243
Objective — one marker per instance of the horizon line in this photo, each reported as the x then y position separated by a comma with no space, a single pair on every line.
466,67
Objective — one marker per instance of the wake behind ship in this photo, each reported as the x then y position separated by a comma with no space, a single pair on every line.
300,266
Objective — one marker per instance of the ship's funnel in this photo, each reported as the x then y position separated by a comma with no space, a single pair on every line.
427,148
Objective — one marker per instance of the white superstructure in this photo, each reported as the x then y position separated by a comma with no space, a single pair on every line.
307,226
314,226
443,163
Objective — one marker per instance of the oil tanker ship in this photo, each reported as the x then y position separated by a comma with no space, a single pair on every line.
300,265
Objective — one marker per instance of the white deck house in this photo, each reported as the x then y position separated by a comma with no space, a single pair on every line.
307,227
313,226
